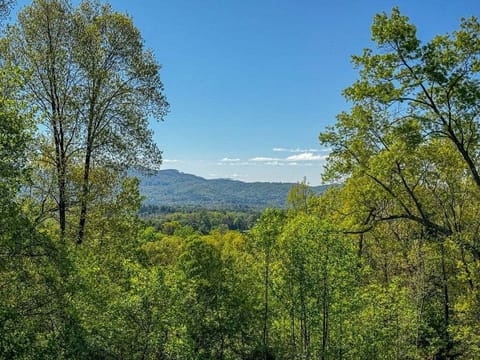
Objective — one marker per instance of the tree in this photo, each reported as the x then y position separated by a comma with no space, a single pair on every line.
317,286
433,87
409,145
414,93
95,85
15,139
35,317
204,298
299,196
39,46
5,6
120,88
265,235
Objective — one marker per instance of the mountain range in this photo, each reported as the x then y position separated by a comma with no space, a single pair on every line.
174,188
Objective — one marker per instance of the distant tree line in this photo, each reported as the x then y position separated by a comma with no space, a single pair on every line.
167,219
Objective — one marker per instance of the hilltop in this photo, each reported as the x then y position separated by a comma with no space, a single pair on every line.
174,188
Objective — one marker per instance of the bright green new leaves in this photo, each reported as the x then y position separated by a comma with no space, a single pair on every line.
408,149
410,99
433,87
15,135
383,266
217,292
120,86
93,87
318,286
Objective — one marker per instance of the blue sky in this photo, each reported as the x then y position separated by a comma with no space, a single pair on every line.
251,83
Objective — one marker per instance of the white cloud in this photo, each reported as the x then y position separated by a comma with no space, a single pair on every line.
306,156
280,149
264,159
293,160
166,161
296,150
298,159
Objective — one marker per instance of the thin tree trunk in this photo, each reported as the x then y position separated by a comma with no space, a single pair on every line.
466,156
325,315
293,342
222,348
57,123
466,268
303,320
62,203
61,181
60,161
265,310
85,191
87,165
446,307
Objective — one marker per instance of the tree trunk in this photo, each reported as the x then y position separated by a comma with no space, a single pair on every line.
466,156
83,202
61,181
86,168
62,203
325,315
265,310
446,309
303,319
293,342
57,122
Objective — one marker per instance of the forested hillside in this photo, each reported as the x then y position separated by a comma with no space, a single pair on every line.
173,188
384,266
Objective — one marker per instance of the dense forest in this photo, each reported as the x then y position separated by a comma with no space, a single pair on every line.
384,266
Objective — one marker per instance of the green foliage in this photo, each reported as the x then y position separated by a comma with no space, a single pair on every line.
200,220
92,88
408,151
385,266
15,136
299,196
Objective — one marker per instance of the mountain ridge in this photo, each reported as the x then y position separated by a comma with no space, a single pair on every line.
172,187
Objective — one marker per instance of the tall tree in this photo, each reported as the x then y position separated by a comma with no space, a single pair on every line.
95,85
120,88
265,235
411,138
40,46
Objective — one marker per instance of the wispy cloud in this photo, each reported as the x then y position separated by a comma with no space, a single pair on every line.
299,158
296,150
264,159
235,163
306,156
169,161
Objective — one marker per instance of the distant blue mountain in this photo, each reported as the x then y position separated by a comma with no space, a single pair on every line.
174,188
